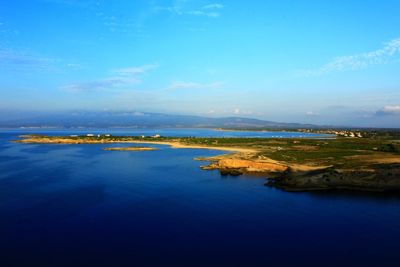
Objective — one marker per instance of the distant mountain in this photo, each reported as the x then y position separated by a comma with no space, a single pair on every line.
107,119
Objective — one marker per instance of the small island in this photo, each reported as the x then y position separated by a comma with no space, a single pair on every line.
368,163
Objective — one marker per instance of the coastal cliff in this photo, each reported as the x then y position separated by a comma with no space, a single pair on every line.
379,177
233,166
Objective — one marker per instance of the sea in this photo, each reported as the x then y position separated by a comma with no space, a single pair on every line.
78,205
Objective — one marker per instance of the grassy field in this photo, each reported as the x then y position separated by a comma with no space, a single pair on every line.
345,152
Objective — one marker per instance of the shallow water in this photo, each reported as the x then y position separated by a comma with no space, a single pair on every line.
77,205
173,132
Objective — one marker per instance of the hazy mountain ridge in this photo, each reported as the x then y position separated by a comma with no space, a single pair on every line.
106,119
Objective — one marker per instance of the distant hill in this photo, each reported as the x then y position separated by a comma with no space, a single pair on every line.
107,119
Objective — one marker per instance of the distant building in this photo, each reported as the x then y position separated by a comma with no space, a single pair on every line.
90,135
73,135
156,136
107,135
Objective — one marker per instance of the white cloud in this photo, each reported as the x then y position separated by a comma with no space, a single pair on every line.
134,114
202,13
390,110
358,61
193,85
180,8
16,61
138,114
99,85
22,61
238,111
122,79
311,113
136,70
74,66
213,6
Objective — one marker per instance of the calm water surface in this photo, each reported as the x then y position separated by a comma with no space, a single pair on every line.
77,205
173,132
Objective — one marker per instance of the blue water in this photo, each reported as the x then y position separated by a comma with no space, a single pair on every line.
77,205
174,133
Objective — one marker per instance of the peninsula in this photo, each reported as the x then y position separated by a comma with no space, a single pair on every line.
368,164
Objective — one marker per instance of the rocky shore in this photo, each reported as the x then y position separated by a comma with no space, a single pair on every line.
380,178
294,177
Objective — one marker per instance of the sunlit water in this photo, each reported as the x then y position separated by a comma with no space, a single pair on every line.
78,205
172,132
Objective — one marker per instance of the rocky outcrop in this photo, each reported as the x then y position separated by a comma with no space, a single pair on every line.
233,166
382,177
377,177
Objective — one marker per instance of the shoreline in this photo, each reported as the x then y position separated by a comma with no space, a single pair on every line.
130,148
289,164
30,139
180,145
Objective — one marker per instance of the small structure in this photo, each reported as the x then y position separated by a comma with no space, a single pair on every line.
156,136
73,135
90,135
107,135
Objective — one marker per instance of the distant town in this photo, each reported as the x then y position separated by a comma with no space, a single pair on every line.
109,135
342,133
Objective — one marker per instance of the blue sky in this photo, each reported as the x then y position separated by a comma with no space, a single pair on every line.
326,62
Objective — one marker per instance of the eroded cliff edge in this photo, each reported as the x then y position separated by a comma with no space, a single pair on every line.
376,176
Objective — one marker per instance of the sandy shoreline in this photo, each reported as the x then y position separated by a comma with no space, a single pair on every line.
172,144
130,148
180,145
